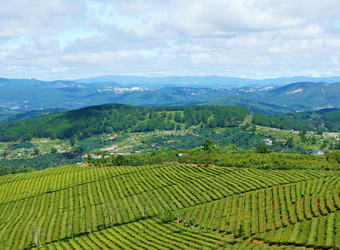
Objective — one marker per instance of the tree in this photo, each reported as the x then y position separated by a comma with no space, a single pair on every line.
302,135
262,149
110,210
144,206
246,126
333,157
14,170
86,220
5,170
73,141
241,231
208,145
5,153
70,228
35,233
54,150
252,128
178,117
290,142
120,160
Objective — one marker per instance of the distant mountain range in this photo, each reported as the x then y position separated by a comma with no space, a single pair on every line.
202,82
21,95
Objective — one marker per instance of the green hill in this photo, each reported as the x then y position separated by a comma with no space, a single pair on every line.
110,118
12,114
324,120
63,138
172,206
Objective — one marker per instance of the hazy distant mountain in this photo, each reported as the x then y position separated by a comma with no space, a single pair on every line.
205,81
31,94
306,96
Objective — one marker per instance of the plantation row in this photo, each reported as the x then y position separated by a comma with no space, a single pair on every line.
70,201
268,209
320,232
151,234
15,187
145,234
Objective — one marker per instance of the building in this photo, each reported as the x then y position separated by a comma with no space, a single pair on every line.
318,152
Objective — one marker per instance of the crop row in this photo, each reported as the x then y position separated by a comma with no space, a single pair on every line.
320,232
145,234
22,186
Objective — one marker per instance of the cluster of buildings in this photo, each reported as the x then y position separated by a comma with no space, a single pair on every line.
119,90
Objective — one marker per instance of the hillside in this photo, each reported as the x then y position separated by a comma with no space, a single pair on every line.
305,95
13,114
323,120
174,205
64,138
6,114
111,118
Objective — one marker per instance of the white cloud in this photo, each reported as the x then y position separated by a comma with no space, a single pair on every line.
219,17
252,38
24,17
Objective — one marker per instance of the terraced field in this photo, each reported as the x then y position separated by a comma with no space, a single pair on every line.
169,207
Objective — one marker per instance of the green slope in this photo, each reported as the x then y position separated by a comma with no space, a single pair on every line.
324,120
169,206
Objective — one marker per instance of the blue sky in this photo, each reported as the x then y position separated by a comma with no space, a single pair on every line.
69,39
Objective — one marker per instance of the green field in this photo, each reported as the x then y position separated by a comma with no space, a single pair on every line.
170,206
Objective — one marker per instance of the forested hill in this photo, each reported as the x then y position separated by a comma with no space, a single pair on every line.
111,118
324,120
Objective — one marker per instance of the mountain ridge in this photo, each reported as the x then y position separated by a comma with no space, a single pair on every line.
32,94
205,81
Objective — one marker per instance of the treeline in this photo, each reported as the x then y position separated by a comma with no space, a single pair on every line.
22,169
312,121
111,118
41,162
221,157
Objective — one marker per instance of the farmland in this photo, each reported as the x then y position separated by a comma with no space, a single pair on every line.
170,206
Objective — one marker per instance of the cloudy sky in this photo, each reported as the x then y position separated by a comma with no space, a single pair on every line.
68,39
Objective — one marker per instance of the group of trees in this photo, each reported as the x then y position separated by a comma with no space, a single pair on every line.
210,154
333,156
24,165
6,170
312,121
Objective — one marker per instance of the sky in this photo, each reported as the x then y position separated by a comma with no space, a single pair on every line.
71,39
